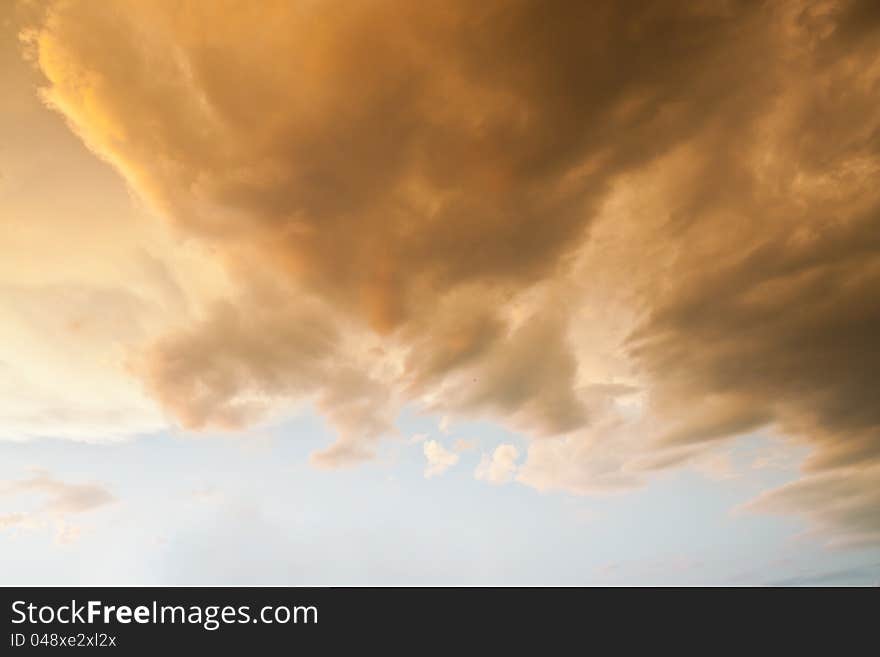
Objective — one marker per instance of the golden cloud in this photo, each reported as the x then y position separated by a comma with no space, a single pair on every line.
412,197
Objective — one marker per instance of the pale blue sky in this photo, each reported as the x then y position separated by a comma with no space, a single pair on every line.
221,510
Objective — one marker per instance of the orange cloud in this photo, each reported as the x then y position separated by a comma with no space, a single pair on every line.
632,230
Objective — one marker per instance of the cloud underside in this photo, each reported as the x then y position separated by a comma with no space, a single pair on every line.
630,230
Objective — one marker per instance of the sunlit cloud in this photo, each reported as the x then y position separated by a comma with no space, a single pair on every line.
630,265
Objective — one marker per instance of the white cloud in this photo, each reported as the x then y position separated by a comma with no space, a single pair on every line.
500,467
439,459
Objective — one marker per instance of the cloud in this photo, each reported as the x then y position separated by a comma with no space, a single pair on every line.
439,459
527,376
87,273
717,466
51,339
632,231
841,504
451,171
365,182
60,497
8,520
462,445
770,321
60,500
236,366
500,467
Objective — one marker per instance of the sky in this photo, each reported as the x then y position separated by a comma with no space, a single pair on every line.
392,293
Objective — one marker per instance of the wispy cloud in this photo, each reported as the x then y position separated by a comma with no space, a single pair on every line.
630,264
58,502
